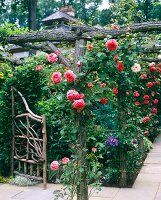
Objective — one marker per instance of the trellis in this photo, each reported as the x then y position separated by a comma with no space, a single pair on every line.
29,143
79,35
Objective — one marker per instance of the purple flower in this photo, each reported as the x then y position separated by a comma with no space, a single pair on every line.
111,141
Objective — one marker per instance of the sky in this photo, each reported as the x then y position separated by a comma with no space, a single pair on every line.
104,5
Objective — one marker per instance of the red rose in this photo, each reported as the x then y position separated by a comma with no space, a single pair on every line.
115,90
70,76
143,76
120,66
38,67
136,94
73,95
149,84
145,119
146,132
103,85
103,100
90,85
54,166
155,101
56,77
112,45
65,160
146,96
155,110
116,57
81,96
89,46
146,101
137,103
79,104
52,57
153,69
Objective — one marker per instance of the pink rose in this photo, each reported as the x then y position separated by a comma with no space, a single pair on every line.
114,27
90,85
145,119
155,101
149,84
136,94
79,104
137,103
65,160
70,76
115,90
94,149
52,57
73,95
146,102
112,45
146,132
103,100
54,166
38,67
146,96
120,66
116,57
143,76
155,110
103,85
56,77
58,52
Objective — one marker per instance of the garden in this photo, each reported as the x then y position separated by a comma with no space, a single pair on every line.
99,90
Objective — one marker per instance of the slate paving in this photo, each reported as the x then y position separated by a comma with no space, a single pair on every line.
147,185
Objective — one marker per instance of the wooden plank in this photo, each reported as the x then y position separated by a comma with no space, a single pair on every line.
27,161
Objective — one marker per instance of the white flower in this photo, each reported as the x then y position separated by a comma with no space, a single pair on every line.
136,68
159,56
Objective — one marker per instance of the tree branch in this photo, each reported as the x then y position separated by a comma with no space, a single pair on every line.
84,33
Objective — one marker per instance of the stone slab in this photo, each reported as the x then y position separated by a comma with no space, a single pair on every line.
151,169
34,195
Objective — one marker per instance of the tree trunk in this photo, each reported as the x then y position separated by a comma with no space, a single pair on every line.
32,7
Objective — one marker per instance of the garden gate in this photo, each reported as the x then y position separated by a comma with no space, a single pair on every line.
29,143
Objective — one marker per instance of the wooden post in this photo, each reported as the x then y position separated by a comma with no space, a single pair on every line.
13,132
44,152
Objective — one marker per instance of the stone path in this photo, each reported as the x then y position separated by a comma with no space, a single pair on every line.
147,185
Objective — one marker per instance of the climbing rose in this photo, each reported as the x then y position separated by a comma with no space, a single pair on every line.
154,111
114,27
146,132
73,95
136,68
155,101
94,149
65,160
146,119
79,64
152,64
70,76
38,67
149,84
56,77
153,69
116,57
79,104
120,66
112,45
52,57
58,52
146,96
136,94
54,166
146,101
89,46
143,76
137,103
115,90
103,85
103,100
90,85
